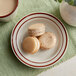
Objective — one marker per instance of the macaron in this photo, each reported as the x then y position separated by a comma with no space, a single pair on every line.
36,29
30,45
47,40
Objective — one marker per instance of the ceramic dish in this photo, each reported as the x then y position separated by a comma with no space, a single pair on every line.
41,59
10,15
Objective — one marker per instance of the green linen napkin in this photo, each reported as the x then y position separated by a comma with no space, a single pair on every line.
9,64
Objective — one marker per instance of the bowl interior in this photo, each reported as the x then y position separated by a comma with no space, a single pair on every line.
8,13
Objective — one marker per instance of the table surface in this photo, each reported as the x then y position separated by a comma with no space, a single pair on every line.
67,68
9,64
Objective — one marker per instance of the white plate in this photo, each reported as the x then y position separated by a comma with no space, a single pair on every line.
40,59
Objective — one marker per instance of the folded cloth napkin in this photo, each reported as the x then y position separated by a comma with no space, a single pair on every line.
9,65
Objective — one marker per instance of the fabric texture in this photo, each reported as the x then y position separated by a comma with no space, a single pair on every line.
9,64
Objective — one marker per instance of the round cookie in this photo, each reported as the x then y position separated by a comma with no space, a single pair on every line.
36,29
47,40
31,45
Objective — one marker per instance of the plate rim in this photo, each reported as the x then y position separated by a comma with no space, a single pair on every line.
34,66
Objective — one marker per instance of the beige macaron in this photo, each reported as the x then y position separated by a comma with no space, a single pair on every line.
47,40
31,45
36,29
